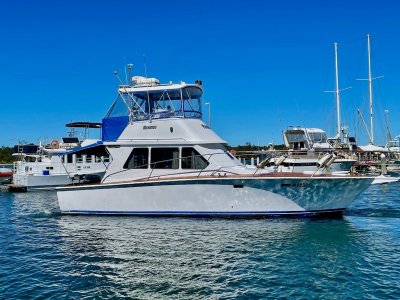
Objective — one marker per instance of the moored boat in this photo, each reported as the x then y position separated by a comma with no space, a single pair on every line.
5,171
60,162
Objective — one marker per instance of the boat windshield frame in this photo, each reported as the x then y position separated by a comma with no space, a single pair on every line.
318,137
158,102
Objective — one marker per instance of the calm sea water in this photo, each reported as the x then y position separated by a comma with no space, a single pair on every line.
46,255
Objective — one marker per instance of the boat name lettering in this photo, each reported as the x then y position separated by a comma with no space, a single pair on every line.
149,127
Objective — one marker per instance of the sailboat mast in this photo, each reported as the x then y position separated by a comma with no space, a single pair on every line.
337,92
370,90
388,135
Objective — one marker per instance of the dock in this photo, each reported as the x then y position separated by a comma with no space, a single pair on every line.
16,188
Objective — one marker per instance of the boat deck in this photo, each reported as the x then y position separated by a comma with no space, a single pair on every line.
282,175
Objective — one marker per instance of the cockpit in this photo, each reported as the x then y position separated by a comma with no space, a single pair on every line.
147,99
305,138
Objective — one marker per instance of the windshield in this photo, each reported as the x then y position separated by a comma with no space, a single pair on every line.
318,137
155,104
296,137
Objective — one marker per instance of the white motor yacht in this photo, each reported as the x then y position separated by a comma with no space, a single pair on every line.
307,147
165,161
59,163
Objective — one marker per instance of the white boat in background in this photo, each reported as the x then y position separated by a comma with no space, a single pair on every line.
5,171
59,163
307,146
311,151
5,174
166,162
383,179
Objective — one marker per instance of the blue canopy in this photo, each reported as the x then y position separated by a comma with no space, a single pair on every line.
113,127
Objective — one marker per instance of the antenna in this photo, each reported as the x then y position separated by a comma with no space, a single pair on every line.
116,75
126,79
130,66
145,65
145,74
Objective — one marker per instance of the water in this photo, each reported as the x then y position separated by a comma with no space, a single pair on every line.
46,255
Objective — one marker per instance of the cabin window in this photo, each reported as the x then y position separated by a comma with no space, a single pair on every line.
138,159
165,158
106,158
295,137
79,158
318,137
191,159
69,158
88,159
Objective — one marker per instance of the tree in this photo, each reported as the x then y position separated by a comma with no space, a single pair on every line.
6,155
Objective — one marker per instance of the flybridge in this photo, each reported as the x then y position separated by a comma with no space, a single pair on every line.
147,99
297,138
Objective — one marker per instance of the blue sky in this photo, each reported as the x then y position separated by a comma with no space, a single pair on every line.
264,64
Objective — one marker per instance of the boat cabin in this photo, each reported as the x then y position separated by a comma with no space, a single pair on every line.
297,138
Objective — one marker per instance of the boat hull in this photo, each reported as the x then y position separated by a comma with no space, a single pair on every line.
48,182
216,197
33,182
5,172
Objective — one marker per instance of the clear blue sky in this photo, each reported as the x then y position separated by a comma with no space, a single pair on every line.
264,64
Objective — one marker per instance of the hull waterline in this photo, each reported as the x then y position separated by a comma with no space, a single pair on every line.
223,197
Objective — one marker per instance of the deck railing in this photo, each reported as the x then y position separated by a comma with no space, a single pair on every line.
191,114
195,172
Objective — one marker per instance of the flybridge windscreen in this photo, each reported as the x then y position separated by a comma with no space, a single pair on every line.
155,102
118,109
318,137
142,104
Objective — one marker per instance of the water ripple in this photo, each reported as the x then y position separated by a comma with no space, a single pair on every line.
47,255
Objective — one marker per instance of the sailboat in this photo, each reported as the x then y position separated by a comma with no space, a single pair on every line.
347,143
374,156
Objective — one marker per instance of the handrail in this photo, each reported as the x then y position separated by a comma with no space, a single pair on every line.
168,114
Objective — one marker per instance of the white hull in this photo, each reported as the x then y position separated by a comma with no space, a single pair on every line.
49,181
310,165
381,179
32,182
216,196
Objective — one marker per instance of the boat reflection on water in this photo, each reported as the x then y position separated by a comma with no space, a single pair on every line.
150,258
